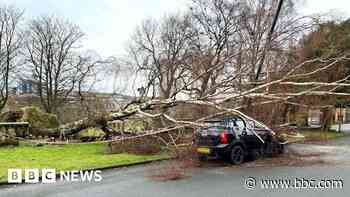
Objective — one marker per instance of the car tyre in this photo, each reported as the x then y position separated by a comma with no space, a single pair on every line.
256,155
237,155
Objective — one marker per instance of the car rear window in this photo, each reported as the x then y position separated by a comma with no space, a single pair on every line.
234,122
215,124
213,128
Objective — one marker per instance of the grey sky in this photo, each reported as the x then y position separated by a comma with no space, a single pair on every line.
109,23
322,6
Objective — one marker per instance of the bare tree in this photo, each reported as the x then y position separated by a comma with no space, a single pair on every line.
216,24
161,50
90,73
230,44
52,54
266,44
232,40
10,44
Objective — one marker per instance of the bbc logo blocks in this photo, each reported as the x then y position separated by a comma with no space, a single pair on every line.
48,175
14,175
31,175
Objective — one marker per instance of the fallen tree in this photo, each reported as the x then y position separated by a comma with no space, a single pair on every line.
261,94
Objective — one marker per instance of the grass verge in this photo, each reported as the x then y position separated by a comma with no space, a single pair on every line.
65,157
319,135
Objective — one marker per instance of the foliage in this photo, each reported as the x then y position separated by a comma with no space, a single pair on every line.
11,116
65,157
135,125
6,141
39,119
7,137
91,132
329,40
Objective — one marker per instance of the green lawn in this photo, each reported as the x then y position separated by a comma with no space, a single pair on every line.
316,135
64,157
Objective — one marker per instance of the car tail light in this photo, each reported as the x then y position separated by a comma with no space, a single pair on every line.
224,138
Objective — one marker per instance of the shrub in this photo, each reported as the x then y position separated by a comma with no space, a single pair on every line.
91,134
8,142
7,138
39,119
135,125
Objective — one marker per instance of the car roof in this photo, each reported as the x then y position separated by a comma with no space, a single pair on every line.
221,119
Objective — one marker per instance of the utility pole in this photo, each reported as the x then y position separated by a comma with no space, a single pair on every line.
268,41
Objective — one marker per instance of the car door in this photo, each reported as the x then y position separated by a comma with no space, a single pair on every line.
248,136
237,127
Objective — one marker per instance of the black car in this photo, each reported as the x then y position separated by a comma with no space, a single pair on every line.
236,138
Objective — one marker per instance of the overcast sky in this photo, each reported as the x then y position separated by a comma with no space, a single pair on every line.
109,23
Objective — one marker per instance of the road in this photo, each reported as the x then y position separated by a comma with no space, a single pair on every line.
344,127
221,180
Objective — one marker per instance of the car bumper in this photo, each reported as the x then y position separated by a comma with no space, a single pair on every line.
212,150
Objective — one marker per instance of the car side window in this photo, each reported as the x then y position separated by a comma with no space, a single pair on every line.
239,126
240,123
251,125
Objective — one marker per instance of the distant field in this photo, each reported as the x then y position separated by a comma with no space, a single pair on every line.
64,157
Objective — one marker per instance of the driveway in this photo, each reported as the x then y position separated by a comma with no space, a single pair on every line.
219,180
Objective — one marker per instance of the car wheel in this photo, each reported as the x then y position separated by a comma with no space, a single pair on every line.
256,155
237,155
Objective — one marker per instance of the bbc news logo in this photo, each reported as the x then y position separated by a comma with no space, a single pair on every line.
50,176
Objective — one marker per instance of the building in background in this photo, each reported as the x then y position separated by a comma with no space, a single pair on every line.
26,86
342,114
314,118
23,86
